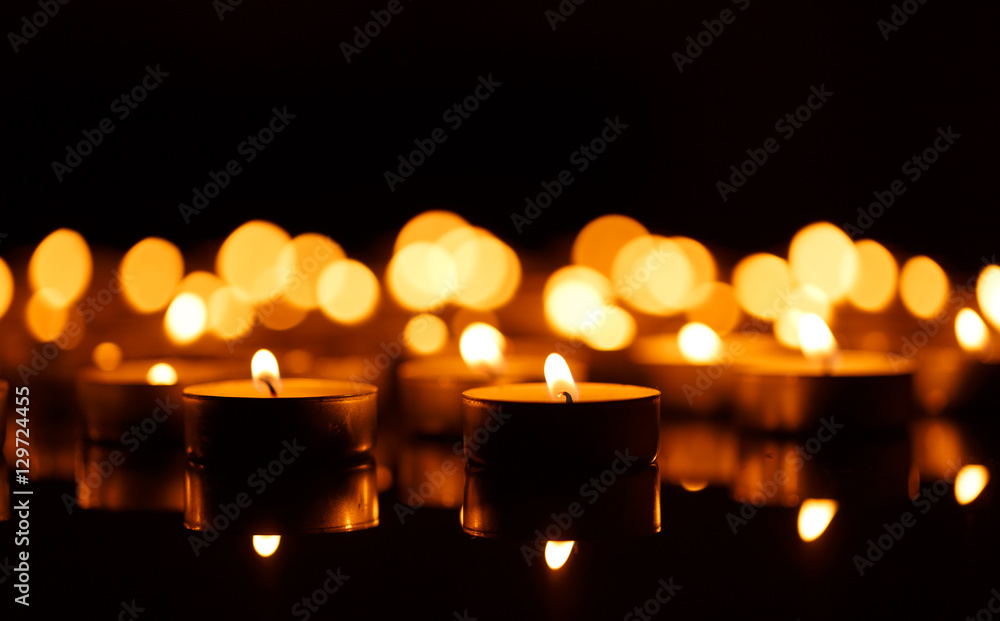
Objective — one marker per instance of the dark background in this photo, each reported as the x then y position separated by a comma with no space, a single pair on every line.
325,173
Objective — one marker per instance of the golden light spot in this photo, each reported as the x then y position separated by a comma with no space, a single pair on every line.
482,347
465,316
598,243
45,319
107,356
311,253
6,287
653,274
803,300
281,314
186,318
557,553
875,285
266,545
702,268
969,483
425,334
815,338
574,298
230,312
823,255
760,281
815,515
422,276
613,328
254,259
988,294
429,226
203,284
151,270
716,307
488,271
698,343
971,331
559,378
61,266
694,486
161,374
347,291
923,285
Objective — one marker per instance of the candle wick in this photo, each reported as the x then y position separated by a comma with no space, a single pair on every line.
274,393
569,397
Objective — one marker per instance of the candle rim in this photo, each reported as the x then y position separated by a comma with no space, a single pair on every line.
354,389
649,393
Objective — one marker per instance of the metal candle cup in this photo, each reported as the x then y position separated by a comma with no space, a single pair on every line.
519,424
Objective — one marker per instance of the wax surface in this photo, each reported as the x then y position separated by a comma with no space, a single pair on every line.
188,371
538,392
846,363
664,349
291,388
515,367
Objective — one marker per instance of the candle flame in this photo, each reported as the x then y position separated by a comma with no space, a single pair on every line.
814,516
971,331
557,553
969,482
560,379
266,378
699,344
694,486
988,294
186,318
265,545
482,347
815,338
161,374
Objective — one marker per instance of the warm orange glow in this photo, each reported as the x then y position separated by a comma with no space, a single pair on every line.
482,347
969,482
429,226
266,378
151,270
425,333
612,329
971,331
557,553
6,287
61,266
988,294
311,253
715,306
694,486
653,275
348,291
422,276
575,298
161,374
760,281
698,343
822,255
560,379
186,318
281,314
923,286
875,285
702,268
107,356
230,312
253,259
45,319
804,299
488,271
815,338
815,515
201,283
266,545
598,243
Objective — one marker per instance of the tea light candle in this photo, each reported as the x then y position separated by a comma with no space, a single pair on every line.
242,422
789,392
560,421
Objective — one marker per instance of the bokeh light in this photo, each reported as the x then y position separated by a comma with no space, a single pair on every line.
875,285
761,281
61,266
652,274
254,260
823,255
923,286
598,243
425,334
150,271
107,356
186,318
347,291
